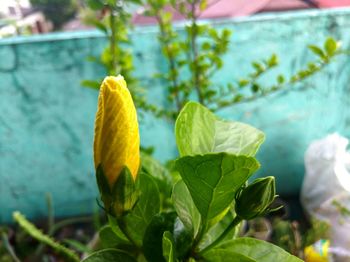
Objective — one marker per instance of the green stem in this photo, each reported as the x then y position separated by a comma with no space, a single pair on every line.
279,87
50,223
233,224
194,51
112,40
171,60
8,247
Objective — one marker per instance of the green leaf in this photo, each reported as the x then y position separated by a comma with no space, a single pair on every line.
243,82
255,249
183,239
76,245
199,131
158,172
90,83
153,238
226,255
280,79
217,229
95,4
185,207
147,206
258,67
213,179
317,51
124,193
330,46
109,238
112,221
109,254
203,5
273,60
104,188
99,25
168,247
255,87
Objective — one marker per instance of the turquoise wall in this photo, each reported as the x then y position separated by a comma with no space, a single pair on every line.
46,119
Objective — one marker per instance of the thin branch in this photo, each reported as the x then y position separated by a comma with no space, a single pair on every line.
8,247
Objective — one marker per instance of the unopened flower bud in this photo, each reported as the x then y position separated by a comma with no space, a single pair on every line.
255,199
116,146
117,140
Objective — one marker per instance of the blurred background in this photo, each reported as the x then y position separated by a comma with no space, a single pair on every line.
280,65
27,17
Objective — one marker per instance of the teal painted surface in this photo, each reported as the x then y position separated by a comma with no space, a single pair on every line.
46,120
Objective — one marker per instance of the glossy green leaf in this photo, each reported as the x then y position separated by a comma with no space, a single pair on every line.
199,131
124,193
213,179
185,207
112,222
109,238
217,229
147,206
168,247
109,254
183,239
255,249
226,255
159,173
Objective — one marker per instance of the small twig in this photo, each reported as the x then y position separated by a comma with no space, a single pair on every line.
8,247
34,232
171,60
50,224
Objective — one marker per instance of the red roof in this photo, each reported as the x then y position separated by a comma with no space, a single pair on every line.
236,8
332,3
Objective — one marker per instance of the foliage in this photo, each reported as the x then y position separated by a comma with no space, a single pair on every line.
200,50
113,20
203,199
291,237
193,57
57,11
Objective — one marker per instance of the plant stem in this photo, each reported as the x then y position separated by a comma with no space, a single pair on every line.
8,247
234,223
171,60
112,39
277,88
50,223
194,52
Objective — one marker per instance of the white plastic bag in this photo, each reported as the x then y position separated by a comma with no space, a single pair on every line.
326,188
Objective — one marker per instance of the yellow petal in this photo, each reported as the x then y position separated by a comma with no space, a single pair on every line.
117,140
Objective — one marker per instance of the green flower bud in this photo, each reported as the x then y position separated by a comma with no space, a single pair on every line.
254,200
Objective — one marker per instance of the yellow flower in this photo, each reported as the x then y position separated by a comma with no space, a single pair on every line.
317,252
117,139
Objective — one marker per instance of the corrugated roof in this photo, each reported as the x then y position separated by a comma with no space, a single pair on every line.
236,8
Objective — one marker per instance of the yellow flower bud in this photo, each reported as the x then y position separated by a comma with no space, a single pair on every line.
117,139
